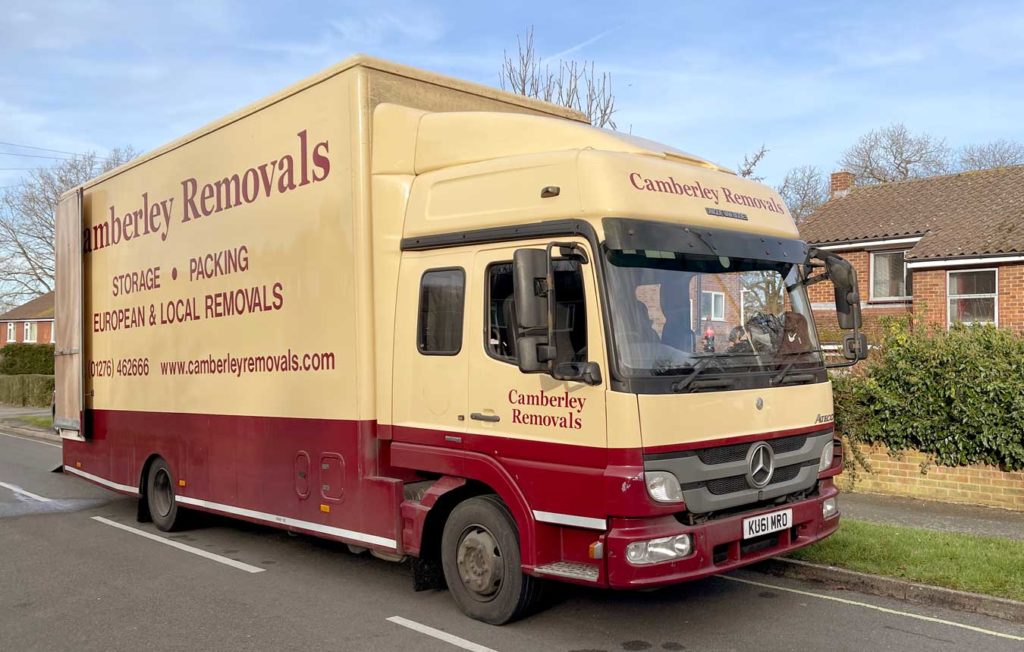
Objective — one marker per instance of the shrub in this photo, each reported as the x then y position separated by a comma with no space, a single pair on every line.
18,358
26,390
958,395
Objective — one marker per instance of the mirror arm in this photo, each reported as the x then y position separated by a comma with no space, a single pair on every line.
816,279
552,306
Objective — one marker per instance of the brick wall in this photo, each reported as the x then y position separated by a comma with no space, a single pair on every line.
43,330
930,295
902,476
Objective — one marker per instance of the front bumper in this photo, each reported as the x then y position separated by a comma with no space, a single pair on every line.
718,545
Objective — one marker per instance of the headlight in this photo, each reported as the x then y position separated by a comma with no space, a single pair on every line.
657,550
826,456
663,487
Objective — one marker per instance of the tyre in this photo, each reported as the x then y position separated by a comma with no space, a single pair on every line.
481,562
163,508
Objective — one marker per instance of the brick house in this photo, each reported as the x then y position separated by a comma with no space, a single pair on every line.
942,249
29,322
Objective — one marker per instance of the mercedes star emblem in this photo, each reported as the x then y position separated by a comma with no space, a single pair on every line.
761,465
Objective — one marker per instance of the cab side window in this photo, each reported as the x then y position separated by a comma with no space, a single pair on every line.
442,302
570,313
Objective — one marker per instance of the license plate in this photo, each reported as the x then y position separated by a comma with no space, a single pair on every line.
755,526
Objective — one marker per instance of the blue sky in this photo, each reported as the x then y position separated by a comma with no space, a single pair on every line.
713,78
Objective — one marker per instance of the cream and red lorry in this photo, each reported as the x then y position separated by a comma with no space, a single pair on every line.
438,321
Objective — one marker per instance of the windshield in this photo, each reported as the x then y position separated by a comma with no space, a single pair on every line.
711,322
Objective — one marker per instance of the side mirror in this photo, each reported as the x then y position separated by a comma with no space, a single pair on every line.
844,278
584,372
855,346
530,287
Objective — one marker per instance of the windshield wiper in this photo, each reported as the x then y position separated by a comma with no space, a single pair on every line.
781,377
680,385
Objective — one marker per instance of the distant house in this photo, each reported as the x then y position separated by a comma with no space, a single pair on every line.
943,249
29,322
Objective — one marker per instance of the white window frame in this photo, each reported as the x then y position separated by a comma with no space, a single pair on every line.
25,329
12,335
713,317
871,276
53,331
994,296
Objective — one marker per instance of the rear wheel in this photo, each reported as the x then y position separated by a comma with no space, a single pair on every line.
481,562
163,507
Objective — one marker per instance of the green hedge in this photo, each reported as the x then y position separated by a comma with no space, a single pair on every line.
958,395
26,359
26,390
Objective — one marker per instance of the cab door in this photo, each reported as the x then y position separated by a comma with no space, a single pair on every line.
430,355
550,434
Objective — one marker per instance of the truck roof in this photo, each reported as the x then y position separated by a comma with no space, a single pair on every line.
355,61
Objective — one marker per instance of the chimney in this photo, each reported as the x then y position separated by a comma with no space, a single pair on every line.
840,184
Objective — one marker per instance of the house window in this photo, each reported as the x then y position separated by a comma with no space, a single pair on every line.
972,297
10,331
890,278
30,332
712,305
442,298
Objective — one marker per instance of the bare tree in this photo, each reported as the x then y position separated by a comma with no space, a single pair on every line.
27,226
804,189
893,154
750,162
996,154
576,84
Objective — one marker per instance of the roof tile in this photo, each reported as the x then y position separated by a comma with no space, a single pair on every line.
39,308
966,214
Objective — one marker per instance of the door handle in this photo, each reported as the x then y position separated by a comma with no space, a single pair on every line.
480,416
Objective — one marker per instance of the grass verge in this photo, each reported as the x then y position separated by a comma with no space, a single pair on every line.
957,561
37,421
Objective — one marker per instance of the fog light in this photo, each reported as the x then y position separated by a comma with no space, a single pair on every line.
829,508
663,487
826,456
658,550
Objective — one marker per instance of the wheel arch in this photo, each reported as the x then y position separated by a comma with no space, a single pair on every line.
480,474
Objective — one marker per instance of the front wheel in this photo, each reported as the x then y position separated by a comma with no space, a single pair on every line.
163,508
481,562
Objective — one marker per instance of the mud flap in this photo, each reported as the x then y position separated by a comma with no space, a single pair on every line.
427,575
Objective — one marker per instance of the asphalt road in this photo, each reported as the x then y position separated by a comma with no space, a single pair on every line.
69,580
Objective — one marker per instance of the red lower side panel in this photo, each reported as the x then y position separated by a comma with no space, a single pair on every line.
305,474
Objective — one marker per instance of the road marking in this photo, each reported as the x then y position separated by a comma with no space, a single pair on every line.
181,546
31,439
868,605
28,494
438,634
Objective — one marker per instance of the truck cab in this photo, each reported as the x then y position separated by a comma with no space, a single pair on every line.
611,339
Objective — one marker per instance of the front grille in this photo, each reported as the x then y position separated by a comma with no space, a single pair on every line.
737,452
736,483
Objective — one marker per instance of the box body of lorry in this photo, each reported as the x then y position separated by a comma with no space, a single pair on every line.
303,315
